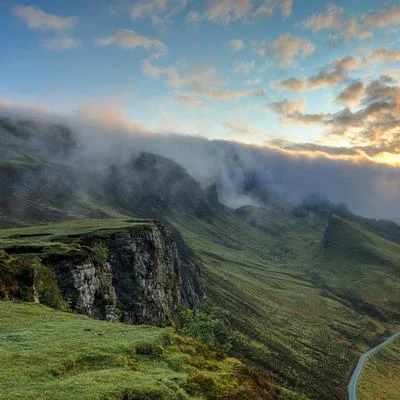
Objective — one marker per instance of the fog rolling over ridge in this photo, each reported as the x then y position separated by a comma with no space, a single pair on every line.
243,174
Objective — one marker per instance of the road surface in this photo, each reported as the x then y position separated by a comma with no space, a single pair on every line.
352,388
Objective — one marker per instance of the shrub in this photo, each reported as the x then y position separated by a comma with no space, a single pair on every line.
99,253
149,349
47,289
17,277
213,389
199,325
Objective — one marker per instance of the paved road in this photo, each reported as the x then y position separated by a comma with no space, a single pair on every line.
352,388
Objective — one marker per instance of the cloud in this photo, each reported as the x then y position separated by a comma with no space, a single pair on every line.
227,11
292,84
266,8
384,56
188,100
61,43
237,44
243,131
242,174
286,8
351,95
192,17
285,49
203,82
332,18
335,18
329,76
108,116
171,74
159,11
375,123
244,67
35,18
349,63
252,82
356,30
131,40
286,108
383,18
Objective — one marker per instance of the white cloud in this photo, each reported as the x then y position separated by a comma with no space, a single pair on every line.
335,18
202,82
131,40
159,11
244,67
35,18
332,18
60,43
192,17
383,18
188,100
286,48
252,82
237,44
227,11
385,56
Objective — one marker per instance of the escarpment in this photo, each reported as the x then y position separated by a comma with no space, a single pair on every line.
136,274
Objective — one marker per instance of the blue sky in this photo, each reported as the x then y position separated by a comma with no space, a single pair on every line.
217,68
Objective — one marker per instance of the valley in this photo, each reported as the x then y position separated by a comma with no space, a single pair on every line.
298,292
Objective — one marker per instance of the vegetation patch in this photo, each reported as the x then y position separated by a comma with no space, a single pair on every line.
49,354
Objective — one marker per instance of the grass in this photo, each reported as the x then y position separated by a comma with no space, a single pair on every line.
281,295
47,354
260,280
381,375
61,237
70,228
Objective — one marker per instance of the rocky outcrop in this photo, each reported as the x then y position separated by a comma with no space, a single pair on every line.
143,279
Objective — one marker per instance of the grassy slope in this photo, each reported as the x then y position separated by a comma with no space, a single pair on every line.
46,354
260,278
362,267
381,375
260,281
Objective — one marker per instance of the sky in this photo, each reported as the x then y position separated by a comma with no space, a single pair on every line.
305,76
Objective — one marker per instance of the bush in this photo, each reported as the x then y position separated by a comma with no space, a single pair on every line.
199,325
149,349
17,277
47,289
99,253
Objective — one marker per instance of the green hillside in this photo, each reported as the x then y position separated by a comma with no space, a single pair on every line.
47,354
271,283
381,376
298,292
361,267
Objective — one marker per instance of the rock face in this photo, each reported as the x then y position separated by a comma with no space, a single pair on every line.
144,280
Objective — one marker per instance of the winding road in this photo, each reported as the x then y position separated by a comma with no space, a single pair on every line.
352,388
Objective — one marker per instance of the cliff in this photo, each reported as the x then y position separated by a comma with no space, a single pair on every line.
135,273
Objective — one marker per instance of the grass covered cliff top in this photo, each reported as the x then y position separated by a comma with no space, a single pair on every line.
58,236
48,354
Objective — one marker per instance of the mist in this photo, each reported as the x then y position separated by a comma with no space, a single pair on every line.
243,174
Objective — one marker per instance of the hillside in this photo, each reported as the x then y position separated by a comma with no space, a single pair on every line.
48,354
298,292
381,375
262,282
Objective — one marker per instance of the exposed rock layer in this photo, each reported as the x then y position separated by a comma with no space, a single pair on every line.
144,280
